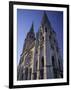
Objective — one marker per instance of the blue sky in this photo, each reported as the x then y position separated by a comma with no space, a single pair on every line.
24,22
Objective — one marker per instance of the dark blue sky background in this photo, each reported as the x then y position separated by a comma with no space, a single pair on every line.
24,22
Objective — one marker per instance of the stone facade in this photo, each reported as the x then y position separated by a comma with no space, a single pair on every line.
40,58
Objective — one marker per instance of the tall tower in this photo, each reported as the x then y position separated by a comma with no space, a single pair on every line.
27,57
48,52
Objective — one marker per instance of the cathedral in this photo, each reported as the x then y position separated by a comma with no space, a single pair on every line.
40,57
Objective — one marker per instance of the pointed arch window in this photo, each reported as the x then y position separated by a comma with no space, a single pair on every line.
26,73
45,29
30,73
42,68
54,68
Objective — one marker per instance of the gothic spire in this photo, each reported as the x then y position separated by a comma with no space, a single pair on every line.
32,28
45,20
29,38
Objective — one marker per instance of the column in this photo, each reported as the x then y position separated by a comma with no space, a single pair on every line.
33,57
38,72
45,59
